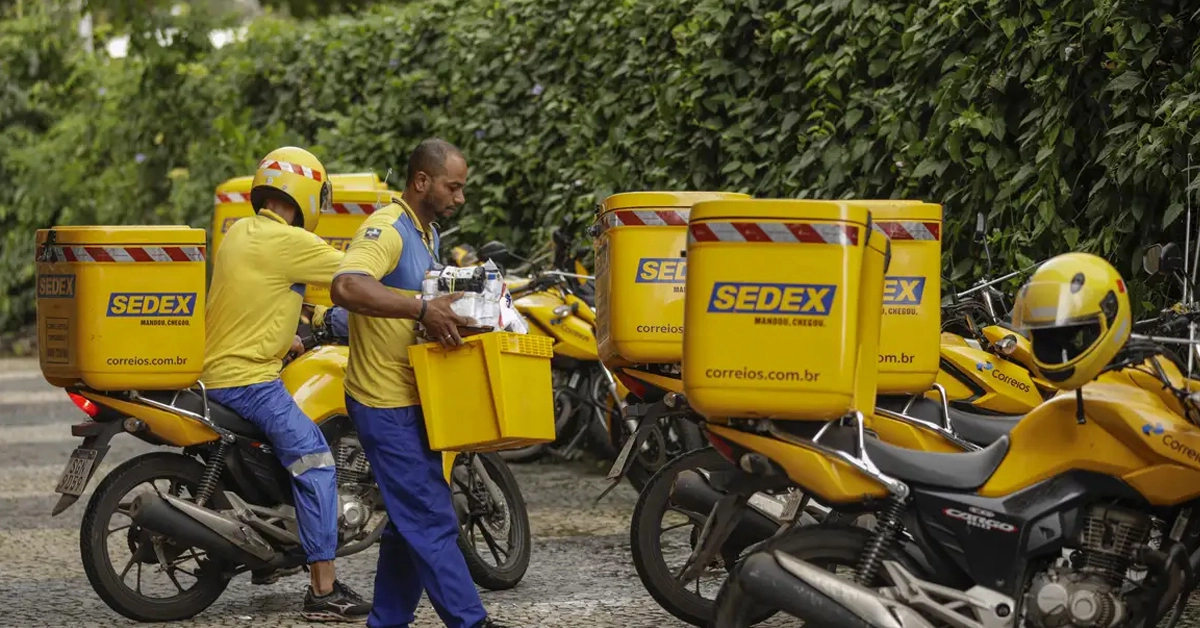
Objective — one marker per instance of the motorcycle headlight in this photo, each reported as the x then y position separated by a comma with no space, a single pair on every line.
562,311
1007,344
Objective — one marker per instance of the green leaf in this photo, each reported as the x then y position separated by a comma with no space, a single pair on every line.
1172,214
1124,82
790,121
1009,25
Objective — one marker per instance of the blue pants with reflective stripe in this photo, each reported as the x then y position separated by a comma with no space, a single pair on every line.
301,447
419,549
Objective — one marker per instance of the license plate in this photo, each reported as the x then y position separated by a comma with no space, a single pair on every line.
75,476
615,471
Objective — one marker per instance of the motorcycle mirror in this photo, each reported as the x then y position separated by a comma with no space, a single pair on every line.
560,237
979,223
1152,259
494,250
1170,259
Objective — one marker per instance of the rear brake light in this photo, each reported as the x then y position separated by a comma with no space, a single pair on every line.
722,447
84,404
632,385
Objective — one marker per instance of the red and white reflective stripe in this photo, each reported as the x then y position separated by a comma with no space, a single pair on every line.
231,197
909,230
790,232
355,208
646,218
283,166
127,254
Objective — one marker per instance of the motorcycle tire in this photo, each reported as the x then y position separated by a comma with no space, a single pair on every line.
507,575
94,535
645,539
841,545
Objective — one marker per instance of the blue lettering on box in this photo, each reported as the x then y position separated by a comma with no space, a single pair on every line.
787,299
148,304
662,270
903,290
56,286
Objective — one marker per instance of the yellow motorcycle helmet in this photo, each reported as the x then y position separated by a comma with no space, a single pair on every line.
1076,310
296,177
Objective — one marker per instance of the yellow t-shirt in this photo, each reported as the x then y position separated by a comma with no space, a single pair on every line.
392,247
254,301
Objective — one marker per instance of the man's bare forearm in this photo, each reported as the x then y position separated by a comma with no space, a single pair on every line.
364,295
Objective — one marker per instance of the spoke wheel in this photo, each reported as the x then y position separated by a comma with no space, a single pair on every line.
494,535
140,574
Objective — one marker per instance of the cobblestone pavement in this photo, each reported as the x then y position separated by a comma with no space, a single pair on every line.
580,574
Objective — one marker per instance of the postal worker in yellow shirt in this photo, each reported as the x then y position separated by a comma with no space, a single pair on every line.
253,307
379,282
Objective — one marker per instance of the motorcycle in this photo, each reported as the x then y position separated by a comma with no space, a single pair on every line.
691,486
1123,552
223,502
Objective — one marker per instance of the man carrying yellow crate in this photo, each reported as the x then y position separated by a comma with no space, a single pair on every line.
379,282
257,291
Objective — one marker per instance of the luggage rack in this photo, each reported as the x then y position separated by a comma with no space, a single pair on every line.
205,419
946,429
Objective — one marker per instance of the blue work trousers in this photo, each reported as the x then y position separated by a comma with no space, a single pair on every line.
419,549
301,447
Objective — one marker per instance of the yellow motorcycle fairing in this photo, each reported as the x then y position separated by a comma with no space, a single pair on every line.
316,381
986,381
167,427
573,337
1129,433
840,482
582,309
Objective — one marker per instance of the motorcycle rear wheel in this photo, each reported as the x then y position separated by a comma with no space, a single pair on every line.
646,543
95,537
509,570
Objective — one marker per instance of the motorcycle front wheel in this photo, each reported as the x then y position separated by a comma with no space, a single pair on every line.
494,533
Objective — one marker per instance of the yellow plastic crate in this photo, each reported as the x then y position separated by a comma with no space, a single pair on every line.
121,308
783,301
640,274
492,393
355,196
909,346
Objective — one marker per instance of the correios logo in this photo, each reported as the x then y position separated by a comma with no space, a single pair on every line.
984,366
979,518
1155,429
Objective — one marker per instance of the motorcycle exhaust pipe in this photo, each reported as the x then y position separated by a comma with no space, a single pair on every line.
693,492
820,597
160,514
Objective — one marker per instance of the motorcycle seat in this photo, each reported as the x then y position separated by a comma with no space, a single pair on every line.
963,472
982,429
222,416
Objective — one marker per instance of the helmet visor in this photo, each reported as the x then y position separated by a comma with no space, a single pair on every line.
1050,304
